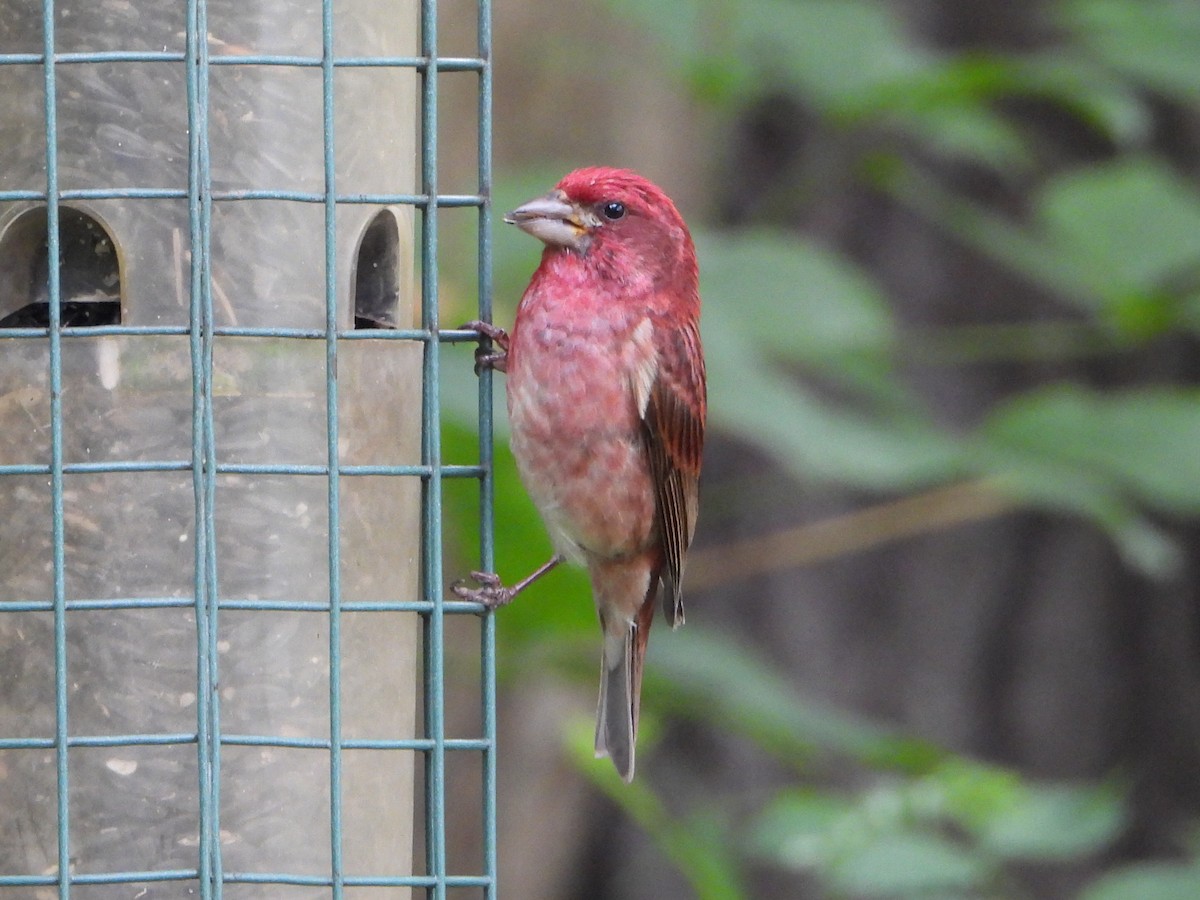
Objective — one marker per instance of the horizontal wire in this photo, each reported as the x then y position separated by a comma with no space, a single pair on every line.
448,336
425,881
100,878
104,740
247,740
124,466
458,607
309,743
420,63
448,201
135,876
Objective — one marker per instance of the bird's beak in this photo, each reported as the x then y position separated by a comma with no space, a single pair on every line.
553,220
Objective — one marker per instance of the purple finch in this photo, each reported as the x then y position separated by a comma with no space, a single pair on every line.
606,401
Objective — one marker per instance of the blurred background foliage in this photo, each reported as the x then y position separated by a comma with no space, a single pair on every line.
1034,165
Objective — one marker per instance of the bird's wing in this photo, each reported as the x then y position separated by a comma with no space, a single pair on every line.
672,402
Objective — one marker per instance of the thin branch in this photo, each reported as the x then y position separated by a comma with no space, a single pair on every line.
864,529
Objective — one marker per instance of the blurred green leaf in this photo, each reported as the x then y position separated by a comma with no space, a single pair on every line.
862,851
792,297
1152,41
1012,817
973,793
834,52
1147,881
817,440
1081,85
947,104
969,130
940,833
838,53
1103,455
1143,441
1121,239
1054,822
720,80
1125,228
809,307
794,829
998,236
850,59
908,865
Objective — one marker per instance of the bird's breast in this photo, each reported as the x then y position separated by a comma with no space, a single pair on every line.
576,433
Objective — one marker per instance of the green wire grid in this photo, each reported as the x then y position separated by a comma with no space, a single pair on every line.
201,331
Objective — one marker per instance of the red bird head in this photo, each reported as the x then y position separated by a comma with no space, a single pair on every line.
622,226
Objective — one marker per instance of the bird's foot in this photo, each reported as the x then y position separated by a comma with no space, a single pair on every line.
494,357
490,592
495,333
490,359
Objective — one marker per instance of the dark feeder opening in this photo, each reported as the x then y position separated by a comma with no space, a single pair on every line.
377,273
89,272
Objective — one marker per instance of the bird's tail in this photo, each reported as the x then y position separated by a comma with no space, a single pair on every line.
621,685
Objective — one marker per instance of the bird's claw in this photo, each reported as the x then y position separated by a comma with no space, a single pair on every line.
495,333
495,357
489,359
491,592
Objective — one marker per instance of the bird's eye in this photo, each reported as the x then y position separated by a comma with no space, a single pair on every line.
614,210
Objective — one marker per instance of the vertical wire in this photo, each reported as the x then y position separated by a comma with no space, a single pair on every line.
435,771
54,287
210,459
486,456
203,676
337,873
203,450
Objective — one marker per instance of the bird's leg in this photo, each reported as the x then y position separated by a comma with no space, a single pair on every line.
495,357
491,593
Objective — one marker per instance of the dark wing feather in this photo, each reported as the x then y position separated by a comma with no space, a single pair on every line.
674,424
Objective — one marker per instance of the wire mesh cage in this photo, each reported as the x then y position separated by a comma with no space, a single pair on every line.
221,622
